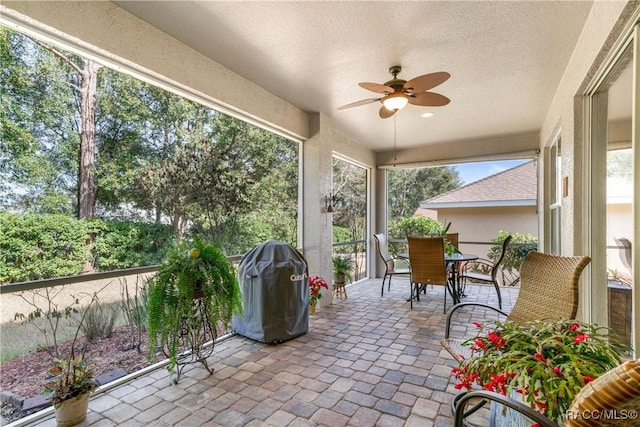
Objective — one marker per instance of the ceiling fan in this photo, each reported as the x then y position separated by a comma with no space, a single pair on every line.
398,92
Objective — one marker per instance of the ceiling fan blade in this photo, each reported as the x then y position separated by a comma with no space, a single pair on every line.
385,113
376,87
425,82
429,99
359,103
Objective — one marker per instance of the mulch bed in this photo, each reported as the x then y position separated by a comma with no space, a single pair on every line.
25,376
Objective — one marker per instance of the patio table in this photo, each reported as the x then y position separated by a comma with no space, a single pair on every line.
456,288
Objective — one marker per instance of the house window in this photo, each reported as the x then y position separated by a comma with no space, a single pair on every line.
555,198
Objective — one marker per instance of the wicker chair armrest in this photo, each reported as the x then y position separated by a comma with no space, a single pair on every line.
465,304
459,404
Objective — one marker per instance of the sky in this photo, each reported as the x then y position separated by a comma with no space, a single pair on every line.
470,172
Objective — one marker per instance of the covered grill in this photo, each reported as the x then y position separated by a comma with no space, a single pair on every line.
275,291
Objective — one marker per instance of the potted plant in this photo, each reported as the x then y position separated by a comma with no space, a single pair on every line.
70,389
543,363
193,294
316,283
341,270
71,380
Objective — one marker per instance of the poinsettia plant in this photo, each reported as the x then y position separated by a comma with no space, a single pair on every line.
545,362
316,283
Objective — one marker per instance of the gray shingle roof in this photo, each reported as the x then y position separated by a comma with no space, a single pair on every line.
513,187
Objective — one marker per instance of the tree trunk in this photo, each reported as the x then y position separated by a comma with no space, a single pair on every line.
87,167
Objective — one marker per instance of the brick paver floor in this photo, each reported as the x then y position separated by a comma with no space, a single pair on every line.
366,361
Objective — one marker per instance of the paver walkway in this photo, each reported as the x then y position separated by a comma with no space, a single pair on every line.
366,361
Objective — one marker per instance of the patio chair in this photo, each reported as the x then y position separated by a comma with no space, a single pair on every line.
452,238
548,290
624,248
426,257
389,263
475,270
602,402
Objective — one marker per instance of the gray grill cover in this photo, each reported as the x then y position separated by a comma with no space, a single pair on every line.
275,291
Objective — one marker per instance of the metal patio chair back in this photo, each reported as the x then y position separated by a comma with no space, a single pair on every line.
382,244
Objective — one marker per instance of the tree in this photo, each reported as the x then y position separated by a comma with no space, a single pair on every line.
79,137
44,88
38,132
409,187
83,78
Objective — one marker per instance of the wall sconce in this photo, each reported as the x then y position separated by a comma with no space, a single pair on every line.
329,202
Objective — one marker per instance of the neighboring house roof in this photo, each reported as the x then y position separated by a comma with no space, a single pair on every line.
429,213
512,187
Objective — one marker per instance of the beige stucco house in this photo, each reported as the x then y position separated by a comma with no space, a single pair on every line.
479,210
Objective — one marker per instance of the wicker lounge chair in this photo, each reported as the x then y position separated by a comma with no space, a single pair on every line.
548,290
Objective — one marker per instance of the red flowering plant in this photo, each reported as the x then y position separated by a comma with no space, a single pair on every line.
545,362
316,283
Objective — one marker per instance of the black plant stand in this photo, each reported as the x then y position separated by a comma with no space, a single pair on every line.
197,337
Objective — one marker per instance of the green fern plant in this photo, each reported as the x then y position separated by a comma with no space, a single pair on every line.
197,271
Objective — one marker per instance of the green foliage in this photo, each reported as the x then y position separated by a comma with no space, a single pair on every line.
342,268
36,247
341,234
416,225
99,320
39,131
134,308
409,187
72,377
547,362
126,244
521,244
158,156
198,270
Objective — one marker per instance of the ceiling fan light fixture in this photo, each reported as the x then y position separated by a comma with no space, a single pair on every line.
395,101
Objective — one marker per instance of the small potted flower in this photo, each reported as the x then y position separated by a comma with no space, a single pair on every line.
542,363
70,389
316,283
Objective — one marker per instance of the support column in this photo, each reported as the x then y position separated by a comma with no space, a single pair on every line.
317,223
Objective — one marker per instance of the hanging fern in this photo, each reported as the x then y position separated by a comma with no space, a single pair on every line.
193,271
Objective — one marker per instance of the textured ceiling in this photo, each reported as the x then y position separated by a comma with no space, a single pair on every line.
505,58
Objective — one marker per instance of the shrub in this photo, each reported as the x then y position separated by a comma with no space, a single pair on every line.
417,225
520,246
126,244
99,320
36,247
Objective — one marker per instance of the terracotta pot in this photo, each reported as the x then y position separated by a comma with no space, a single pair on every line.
72,411
312,307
